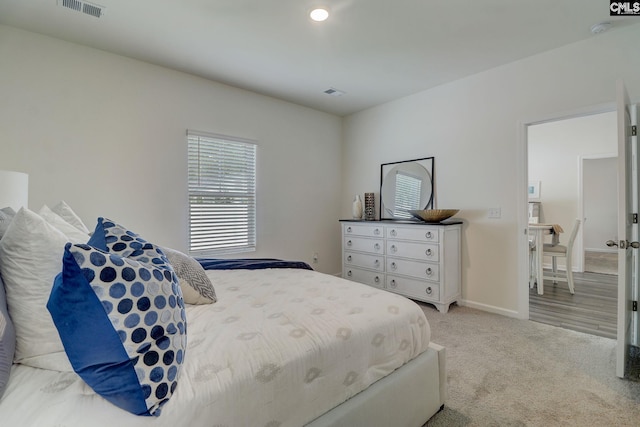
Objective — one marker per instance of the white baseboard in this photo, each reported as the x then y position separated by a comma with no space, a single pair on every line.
490,308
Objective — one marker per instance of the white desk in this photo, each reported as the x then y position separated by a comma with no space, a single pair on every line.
538,231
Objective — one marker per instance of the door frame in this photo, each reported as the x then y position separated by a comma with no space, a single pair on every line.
522,197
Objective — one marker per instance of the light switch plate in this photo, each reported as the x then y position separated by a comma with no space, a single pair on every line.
495,213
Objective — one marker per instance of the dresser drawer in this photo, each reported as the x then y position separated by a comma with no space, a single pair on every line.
417,269
413,288
372,262
420,234
363,230
370,278
373,246
420,251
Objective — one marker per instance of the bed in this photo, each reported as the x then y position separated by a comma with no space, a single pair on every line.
280,345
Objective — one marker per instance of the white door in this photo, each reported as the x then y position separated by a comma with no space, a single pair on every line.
627,230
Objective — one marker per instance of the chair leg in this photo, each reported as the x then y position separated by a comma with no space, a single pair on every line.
539,272
554,267
569,268
570,281
532,266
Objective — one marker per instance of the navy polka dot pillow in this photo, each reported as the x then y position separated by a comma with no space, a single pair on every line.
114,238
123,326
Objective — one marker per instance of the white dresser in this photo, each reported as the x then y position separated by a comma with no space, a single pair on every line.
419,261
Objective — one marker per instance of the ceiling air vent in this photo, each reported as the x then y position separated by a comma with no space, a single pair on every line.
83,6
334,92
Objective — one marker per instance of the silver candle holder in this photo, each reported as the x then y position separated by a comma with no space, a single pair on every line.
369,207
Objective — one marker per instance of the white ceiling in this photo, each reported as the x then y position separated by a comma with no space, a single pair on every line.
374,50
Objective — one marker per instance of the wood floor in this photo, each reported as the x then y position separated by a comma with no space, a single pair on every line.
592,309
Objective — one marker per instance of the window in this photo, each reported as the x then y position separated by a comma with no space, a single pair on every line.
222,194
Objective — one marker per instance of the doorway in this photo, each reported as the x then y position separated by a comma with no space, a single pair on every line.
566,160
599,176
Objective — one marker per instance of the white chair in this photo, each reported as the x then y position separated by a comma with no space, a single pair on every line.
555,251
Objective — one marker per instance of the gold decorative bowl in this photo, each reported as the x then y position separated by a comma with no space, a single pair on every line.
434,215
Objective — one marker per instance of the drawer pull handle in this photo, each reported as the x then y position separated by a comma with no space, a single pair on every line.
376,263
429,290
377,279
349,243
393,248
393,232
348,229
376,231
428,235
376,246
394,266
428,252
349,258
349,273
429,271
393,284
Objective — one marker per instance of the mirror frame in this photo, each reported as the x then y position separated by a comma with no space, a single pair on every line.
427,162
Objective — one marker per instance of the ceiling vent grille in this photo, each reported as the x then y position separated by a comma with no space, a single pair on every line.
334,92
83,6
72,4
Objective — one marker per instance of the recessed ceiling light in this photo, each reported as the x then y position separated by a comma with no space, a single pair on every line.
319,14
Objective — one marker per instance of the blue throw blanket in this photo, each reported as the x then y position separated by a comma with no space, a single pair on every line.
249,264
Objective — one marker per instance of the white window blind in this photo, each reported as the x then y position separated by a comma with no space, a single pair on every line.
222,194
408,189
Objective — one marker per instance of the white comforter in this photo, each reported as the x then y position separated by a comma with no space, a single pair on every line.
279,348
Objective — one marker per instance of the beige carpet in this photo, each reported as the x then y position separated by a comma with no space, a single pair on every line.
508,372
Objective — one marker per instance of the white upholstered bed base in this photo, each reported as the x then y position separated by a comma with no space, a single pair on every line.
409,396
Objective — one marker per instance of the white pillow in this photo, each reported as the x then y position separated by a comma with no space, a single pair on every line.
30,258
66,213
73,234
5,220
7,341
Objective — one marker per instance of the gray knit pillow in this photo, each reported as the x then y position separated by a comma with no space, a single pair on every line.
194,283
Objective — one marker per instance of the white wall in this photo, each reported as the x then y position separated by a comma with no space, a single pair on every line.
556,150
107,134
473,127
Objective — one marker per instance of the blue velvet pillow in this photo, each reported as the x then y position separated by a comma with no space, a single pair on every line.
123,326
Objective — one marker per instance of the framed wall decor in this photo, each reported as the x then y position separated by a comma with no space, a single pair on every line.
405,186
533,190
